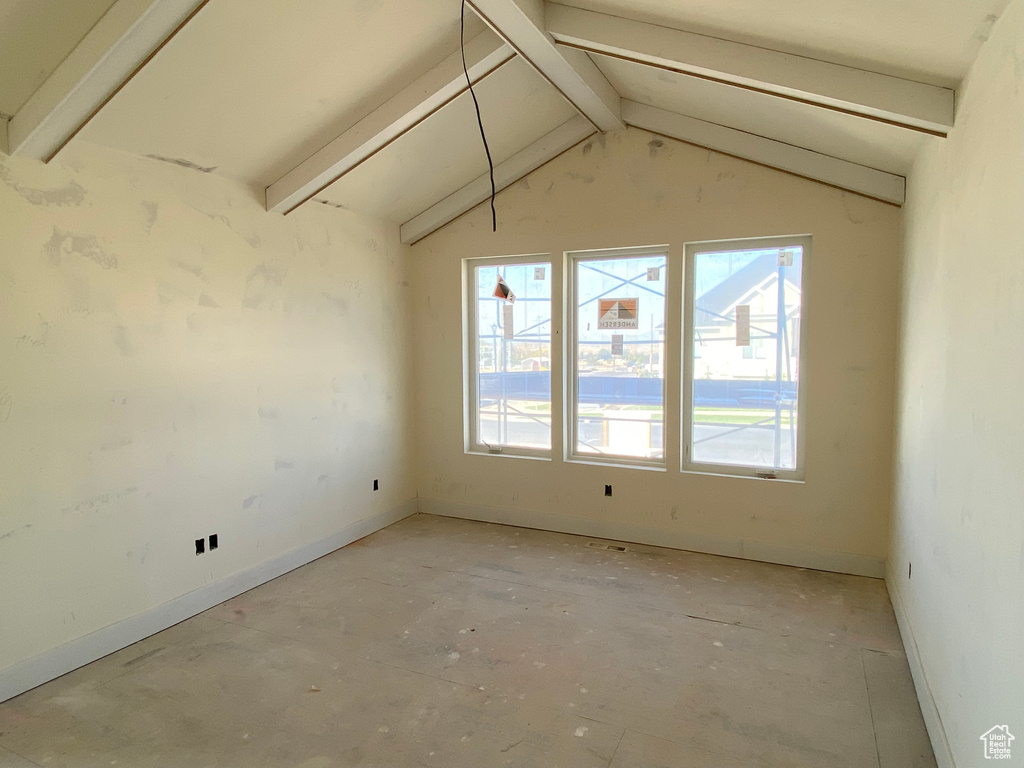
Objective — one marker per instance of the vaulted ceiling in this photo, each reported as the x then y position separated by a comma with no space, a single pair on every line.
362,104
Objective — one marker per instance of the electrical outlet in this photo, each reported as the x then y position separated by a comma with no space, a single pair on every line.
213,541
376,485
200,546
910,569
607,490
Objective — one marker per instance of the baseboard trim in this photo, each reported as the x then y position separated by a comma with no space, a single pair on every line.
837,562
929,709
49,665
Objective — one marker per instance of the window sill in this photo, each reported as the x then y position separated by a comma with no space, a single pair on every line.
741,476
508,455
616,463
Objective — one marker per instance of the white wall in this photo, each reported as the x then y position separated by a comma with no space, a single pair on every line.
176,362
629,189
959,502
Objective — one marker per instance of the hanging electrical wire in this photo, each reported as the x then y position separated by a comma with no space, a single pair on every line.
479,120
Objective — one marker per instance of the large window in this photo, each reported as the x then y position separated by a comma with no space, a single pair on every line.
509,362
616,372
743,400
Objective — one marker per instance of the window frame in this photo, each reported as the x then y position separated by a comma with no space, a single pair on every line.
798,474
471,351
570,357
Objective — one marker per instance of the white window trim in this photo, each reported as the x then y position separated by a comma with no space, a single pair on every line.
686,431
570,357
471,400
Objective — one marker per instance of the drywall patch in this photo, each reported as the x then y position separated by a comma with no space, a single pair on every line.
96,503
260,283
984,29
152,209
120,334
39,337
70,194
586,178
336,304
329,203
206,301
118,443
63,243
9,534
279,465
249,502
168,292
184,163
192,269
847,200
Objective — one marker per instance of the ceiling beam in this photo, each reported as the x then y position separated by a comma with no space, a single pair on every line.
521,164
521,24
116,49
892,100
401,113
870,182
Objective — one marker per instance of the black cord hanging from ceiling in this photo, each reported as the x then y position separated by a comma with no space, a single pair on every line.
479,120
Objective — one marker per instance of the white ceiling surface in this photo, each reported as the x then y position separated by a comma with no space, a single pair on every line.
253,89
934,40
857,139
444,153
36,36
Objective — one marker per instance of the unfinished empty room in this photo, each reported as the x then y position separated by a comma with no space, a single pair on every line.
470,383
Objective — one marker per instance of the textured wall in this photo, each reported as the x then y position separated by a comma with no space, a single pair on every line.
960,448
629,189
177,362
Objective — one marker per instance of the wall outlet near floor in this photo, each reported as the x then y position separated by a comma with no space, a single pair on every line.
214,543
910,569
200,546
376,485
607,490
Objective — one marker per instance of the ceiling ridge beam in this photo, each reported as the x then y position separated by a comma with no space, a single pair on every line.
401,113
833,171
572,73
506,173
884,98
116,49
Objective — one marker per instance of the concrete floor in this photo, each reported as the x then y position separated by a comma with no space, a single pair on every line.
448,643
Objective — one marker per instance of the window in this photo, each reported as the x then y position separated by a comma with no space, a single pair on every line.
743,404
617,402
510,356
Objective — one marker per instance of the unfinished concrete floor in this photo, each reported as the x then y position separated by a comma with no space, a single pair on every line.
447,643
